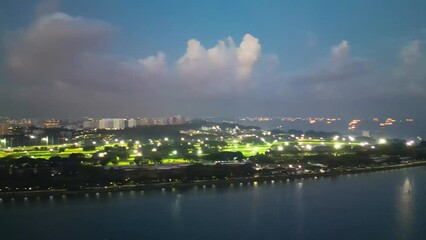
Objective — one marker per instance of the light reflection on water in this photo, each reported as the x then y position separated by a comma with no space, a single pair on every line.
405,208
300,209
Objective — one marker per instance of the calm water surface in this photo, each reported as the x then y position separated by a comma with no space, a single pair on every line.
381,205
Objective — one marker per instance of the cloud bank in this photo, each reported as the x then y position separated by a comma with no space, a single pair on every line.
61,66
61,54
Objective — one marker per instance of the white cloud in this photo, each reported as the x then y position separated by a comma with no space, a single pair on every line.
155,64
409,77
225,61
63,61
340,52
340,67
411,53
248,53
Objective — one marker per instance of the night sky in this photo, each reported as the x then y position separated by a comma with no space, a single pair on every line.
105,58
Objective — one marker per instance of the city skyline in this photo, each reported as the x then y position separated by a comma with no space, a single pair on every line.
68,59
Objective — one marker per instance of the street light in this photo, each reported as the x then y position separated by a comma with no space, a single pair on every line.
46,139
31,138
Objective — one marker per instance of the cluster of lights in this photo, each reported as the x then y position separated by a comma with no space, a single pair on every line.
353,124
388,122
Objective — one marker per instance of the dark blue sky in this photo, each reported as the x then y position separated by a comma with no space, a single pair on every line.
148,58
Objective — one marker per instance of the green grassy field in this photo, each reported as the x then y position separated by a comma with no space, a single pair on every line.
247,149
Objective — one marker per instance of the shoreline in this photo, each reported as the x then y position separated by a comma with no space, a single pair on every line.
203,183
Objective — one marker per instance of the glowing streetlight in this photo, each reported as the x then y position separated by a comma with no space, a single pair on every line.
45,139
337,146
382,141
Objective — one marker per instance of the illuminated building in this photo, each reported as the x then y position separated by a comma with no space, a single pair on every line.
131,123
157,121
353,124
112,123
51,123
388,122
175,120
4,129
143,121
89,123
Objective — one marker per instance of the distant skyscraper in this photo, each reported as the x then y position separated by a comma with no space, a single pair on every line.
89,123
144,121
157,121
4,129
131,123
112,123
175,120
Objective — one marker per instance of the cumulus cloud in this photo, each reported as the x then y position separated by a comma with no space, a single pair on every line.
410,76
54,48
156,65
223,61
248,53
339,68
61,63
65,59
340,52
411,53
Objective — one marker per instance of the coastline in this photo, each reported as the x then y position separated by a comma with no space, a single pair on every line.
203,183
